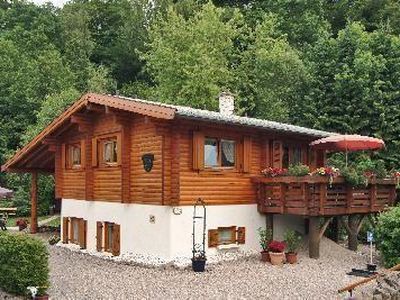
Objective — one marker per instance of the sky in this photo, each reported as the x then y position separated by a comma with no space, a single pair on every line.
58,3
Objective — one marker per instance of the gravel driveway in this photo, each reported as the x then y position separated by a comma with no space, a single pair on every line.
80,276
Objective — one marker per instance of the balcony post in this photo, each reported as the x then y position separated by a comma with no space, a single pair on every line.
372,196
313,234
34,223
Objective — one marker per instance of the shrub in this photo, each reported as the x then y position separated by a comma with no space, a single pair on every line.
388,236
23,263
265,235
292,240
298,170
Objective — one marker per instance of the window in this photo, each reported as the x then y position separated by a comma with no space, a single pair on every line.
296,156
226,236
219,152
110,151
73,158
74,231
211,152
108,237
291,156
109,231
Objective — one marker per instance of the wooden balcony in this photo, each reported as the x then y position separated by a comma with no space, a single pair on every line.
315,196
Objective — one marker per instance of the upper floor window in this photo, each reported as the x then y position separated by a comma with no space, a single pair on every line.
110,153
219,152
74,158
292,156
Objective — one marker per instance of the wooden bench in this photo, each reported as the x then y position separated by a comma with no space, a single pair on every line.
5,212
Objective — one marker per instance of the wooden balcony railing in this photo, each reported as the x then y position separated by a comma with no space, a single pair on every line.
316,196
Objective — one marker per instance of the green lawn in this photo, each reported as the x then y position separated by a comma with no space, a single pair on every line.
54,223
11,220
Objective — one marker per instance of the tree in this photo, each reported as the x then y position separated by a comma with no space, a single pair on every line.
355,86
189,59
271,74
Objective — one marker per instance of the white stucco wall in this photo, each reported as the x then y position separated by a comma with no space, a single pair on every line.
170,236
284,222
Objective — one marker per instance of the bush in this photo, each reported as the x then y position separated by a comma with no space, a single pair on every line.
298,170
23,263
388,236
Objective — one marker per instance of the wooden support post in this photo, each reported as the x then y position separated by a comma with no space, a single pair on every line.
352,233
313,234
34,200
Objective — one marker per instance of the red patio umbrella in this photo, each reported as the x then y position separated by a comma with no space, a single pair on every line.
348,142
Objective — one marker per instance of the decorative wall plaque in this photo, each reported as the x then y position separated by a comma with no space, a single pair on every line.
148,159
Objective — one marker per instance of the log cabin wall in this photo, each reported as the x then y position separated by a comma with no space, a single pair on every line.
228,186
173,179
148,138
107,179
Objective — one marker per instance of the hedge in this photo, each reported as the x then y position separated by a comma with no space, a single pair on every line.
24,261
388,236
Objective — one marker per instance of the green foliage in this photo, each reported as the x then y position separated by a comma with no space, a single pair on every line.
189,59
388,236
265,236
271,74
20,183
292,240
353,177
298,170
23,263
332,65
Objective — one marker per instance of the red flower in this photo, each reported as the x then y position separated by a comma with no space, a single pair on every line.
276,246
273,172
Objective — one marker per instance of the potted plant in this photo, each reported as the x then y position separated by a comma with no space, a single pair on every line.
38,293
199,261
265,235
277,252
22,224
298,170
293,241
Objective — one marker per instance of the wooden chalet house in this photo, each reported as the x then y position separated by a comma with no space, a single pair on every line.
128,172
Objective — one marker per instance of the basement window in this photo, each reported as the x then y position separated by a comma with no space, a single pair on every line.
226,236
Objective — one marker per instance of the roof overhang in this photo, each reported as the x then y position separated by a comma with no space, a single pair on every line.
39,154
38,149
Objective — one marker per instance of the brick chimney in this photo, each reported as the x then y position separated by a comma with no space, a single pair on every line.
226,104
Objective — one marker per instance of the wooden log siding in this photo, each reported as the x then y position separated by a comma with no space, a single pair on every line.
146,187
178,176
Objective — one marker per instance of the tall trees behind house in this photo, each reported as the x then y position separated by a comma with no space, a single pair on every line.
333,65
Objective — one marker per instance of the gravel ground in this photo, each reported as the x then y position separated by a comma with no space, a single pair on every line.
74,275
79,276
